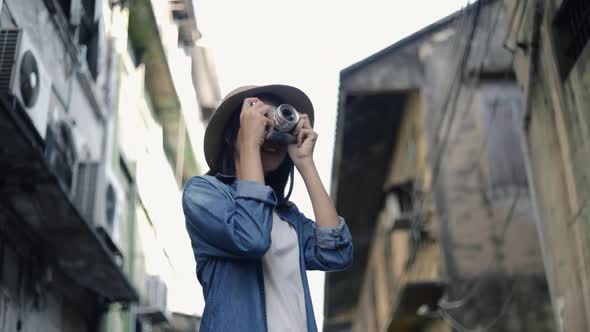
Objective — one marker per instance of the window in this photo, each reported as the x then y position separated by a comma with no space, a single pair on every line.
500,104
400,203
81,17
88,37
571,30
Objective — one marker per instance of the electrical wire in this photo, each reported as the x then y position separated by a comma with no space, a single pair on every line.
446,304
452,95
447,317
455,86
440,151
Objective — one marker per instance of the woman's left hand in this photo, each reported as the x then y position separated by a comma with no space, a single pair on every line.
301,152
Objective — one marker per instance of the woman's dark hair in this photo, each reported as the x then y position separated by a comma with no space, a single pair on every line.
276,179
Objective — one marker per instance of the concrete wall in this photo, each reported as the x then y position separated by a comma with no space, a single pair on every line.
492,259
558,141
477,202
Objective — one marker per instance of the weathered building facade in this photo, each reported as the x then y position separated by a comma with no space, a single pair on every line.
444,232
97,120
61,266
552,62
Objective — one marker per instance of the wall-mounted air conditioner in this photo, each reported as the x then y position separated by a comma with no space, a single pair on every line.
156,293
23,75
86,188
96,196
61,150
153,306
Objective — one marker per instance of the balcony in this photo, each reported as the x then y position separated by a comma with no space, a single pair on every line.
36,203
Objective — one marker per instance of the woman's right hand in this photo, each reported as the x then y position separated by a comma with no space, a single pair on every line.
254,123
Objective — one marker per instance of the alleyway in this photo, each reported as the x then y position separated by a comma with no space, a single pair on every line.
457,155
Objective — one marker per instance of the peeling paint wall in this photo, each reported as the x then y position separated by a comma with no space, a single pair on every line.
478,205
492,258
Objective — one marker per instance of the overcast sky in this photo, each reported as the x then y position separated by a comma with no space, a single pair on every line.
306,43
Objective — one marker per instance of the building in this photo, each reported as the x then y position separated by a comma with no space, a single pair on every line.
101,128
157,145
551,61
444,232
62,265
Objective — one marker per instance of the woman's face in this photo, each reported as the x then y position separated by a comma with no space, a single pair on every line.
272,154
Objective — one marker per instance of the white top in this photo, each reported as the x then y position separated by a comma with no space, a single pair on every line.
283,287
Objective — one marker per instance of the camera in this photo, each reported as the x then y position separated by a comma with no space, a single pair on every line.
285,118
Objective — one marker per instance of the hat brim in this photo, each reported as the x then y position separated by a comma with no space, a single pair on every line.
214,141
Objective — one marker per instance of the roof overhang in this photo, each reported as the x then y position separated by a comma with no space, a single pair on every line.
152,315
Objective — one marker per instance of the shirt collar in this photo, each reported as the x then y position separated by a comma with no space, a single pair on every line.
225,178
282,210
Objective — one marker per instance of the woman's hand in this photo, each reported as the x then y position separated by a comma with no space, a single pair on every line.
301,152
254,123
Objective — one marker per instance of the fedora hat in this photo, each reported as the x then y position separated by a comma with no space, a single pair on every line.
214,141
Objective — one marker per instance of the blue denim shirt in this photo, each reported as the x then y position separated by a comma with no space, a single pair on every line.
229,222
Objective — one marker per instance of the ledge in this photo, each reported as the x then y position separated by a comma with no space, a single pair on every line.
153,316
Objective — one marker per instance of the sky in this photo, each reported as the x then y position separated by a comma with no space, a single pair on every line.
306,43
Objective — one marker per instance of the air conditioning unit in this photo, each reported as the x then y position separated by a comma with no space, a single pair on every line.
97,199
156,293
86,188
23,75
153,306
114,208
61,151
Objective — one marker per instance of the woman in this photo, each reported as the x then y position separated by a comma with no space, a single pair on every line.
252,246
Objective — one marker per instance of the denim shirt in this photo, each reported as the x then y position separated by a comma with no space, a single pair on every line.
229,222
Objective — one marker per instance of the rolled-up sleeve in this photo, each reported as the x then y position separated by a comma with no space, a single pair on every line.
227,224
327,248
333,237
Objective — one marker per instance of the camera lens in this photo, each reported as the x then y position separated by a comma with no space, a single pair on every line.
285,118
288,114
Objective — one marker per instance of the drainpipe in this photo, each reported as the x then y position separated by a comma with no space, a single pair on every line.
532,75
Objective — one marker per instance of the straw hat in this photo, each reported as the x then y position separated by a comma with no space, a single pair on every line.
214,140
